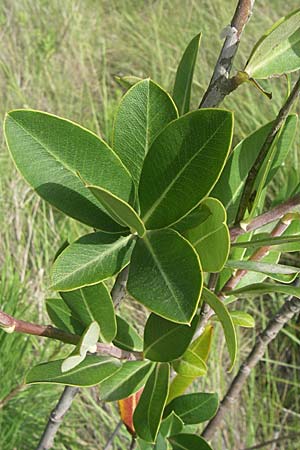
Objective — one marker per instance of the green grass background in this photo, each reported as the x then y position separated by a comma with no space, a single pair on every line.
61,57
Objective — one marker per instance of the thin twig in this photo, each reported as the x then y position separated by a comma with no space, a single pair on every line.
290,308
65,401
268,217
273,441
11,324
56,417
278,122
220,84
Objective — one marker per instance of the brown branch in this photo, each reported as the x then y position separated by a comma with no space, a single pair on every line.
268,217
279,121
220,84
65,401
10,324
56,418
290,308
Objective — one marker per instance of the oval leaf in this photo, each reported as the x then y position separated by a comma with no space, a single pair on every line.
184,76
194,408
127,338
126,381
90,372
127,407
278,51
229,331
91,259
143,112
170,186
165,275
184,441
164,340
190,365
211,238
119,210
62,316
93,303
49,150
148,413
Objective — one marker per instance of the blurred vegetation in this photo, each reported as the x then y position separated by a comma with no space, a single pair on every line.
61,57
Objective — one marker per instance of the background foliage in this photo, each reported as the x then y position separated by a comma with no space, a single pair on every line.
61,57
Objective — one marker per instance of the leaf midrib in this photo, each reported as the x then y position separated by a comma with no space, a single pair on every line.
151,210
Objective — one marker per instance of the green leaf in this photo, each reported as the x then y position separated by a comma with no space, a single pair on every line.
127,338
242,319
190,365
93,303
119,210
170,185
49,150
148,413
278,242
165,275
211,238
62,316
194,408
171,425
229,331
90,372
164,340
185,441
87,343
196,217
184,76
91,259
266,288
263,267
143,112
278,51
201,347
230,186
126,381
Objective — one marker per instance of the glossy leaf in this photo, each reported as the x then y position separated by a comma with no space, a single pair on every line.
164,340
87,343
184,76
49,150
91,259
194,408
211,238
90,372
267,288
185,441
170,185
230,186
278,51
127,338
229,331
190,365
119,210
201,347
143,112
93,303
196,217
62,316
126,381
165,275
148,413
